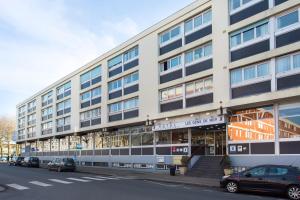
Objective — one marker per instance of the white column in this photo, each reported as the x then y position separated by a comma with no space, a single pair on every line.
276,114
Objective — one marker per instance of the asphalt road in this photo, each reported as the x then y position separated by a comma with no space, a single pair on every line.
40,184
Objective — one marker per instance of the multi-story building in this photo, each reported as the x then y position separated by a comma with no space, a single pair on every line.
217,77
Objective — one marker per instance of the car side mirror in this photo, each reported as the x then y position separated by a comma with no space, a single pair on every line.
248,174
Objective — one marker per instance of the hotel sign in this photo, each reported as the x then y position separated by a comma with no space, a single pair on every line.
168,125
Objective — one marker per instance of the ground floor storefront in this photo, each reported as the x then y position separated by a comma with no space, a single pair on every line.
268,134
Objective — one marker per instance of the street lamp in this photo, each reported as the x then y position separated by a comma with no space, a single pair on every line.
148,121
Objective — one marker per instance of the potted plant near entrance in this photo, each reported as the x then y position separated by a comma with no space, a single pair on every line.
226,163
184,165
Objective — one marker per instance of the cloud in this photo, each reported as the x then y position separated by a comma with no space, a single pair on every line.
41,42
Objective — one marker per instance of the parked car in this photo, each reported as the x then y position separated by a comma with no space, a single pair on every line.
31,162
16,160
3,159
62,164
265,178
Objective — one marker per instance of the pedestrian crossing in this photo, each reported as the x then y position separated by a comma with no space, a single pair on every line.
66,181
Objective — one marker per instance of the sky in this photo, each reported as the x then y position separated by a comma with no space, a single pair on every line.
42,41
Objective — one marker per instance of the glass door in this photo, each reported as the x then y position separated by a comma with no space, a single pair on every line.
219,142
210,144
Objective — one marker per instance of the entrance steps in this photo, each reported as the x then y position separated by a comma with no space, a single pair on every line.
207,167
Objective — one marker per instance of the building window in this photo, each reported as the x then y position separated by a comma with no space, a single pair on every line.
131,79
90,75
171,93
21,111
115,85
47,98
288,63
47,128
250,34
114,61
31,106
238,5
250,74
199,87
115,107
47,113
198,54
288,20
131,54
169,65
244,125
64,106
289,121
170,35
180,136
91,114
63,90
163,137
31,119
198,22
63,121
92,94
131,104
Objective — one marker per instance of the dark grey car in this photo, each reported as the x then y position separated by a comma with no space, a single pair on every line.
62,164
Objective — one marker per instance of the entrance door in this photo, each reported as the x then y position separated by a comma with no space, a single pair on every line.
210,144
219,143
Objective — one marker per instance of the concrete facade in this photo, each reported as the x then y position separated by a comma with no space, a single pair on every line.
224,23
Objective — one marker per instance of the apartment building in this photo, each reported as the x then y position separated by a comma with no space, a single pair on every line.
217,77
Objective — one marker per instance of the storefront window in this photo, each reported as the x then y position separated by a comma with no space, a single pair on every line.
54,144
74,140
63,144
39,146
147,138
46,145
180,136
252,125
136,140
163,137
289,121
120,140
101,141
87,141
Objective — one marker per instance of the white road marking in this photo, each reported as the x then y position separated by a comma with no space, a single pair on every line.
60,181
78,179
110,178
40,183
163,184
18,187
96,179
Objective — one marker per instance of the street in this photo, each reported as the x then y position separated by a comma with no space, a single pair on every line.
37,184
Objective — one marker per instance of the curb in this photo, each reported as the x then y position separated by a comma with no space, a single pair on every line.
179,183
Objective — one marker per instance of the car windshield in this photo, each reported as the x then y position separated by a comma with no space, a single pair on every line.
34,159
68,160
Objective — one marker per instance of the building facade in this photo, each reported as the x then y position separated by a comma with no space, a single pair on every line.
215,78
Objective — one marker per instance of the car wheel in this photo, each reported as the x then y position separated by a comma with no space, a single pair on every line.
232,187
293,192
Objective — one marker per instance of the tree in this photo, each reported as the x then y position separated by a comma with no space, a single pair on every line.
7,128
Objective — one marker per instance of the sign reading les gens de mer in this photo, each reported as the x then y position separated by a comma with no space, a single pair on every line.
188,123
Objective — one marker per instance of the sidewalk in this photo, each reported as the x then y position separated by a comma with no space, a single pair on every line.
151,176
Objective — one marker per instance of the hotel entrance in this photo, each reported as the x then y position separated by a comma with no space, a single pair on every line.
209,141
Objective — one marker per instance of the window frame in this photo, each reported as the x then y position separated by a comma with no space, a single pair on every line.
291,27
203,25
242,6
133,82
257,78
136,50
90,74
136,102
110,68
169,61
115,112
171,39
161,100
282,107
194,87
251,41
292,70
203,56
115,89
